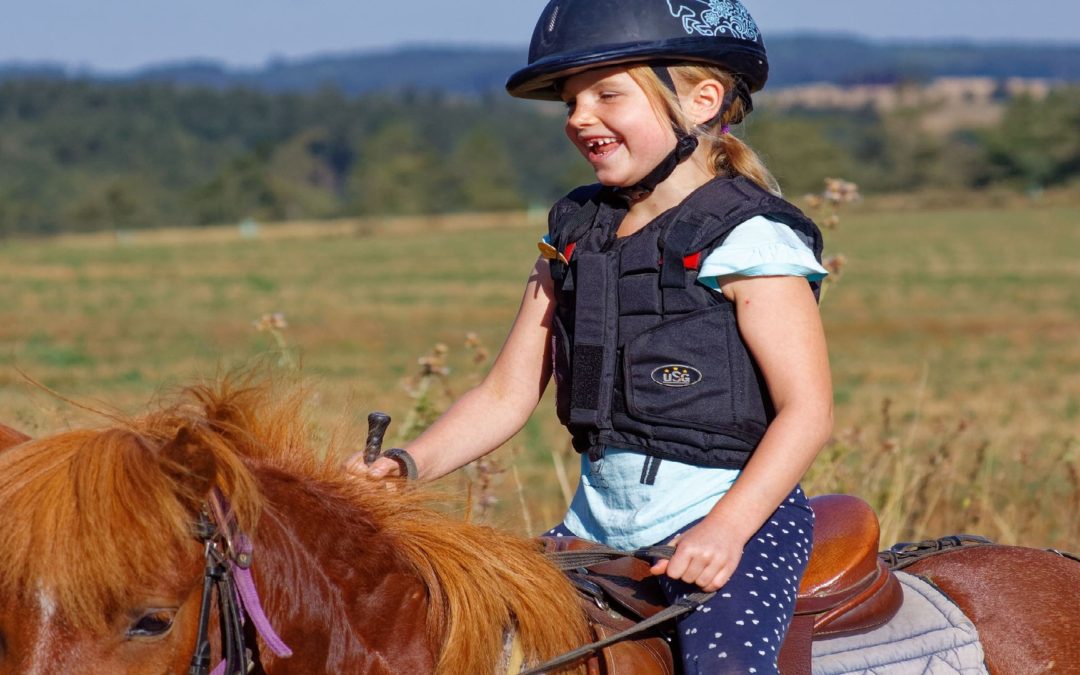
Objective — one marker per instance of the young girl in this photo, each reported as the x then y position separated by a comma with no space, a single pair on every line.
675,304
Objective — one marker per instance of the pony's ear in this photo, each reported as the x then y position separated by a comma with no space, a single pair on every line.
191,464
9,437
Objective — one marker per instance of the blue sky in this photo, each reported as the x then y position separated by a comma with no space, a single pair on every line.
118,35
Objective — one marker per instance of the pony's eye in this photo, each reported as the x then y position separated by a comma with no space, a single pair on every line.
154,623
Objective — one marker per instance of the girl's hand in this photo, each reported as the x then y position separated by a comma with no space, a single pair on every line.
706,555
383,467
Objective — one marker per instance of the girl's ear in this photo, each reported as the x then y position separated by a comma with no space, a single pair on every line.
704,101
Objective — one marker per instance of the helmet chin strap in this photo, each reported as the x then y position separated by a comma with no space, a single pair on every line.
685,144
684,147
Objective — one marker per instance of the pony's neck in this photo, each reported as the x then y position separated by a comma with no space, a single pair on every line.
321,561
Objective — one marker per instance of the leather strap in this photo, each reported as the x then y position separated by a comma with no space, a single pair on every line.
405,461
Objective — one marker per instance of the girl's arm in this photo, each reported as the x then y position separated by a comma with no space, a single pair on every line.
779,321
488,415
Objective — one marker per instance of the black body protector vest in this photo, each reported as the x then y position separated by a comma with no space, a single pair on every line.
646,358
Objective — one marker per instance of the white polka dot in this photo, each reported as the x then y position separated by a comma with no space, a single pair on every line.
718,634
712,645
722,655
740,622
748,644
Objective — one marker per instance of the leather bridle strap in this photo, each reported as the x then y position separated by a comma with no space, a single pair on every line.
228,563
218,576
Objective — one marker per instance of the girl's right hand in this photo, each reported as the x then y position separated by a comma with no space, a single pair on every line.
383,467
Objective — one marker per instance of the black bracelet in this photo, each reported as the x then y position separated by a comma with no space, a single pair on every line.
405,461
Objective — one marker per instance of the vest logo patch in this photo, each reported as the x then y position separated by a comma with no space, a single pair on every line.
676,375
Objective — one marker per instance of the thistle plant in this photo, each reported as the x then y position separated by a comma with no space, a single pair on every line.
274,323
825,207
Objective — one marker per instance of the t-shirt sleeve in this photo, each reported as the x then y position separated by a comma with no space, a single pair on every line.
760,247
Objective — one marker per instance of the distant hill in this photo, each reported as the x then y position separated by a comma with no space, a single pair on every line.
796,59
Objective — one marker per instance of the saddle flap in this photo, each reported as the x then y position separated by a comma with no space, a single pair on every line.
625,581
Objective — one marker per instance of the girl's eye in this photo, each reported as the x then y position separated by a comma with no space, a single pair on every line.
608,96
154,623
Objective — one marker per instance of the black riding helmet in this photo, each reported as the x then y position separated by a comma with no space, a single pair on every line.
573,36
576,35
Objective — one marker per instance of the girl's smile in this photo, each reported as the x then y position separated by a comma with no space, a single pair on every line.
615,126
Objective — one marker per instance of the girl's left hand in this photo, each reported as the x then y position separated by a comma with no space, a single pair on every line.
705,555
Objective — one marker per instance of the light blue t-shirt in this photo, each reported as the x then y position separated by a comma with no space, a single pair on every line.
612,505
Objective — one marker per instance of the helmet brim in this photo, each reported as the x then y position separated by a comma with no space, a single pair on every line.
540,80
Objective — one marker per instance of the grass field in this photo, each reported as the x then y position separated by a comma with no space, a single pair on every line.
954,337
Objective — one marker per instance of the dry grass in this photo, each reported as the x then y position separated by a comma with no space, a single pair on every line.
954,335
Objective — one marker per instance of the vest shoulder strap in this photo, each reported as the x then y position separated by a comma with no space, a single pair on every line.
573,215
723,205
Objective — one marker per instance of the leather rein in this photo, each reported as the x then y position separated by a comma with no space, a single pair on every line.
228,555
570,560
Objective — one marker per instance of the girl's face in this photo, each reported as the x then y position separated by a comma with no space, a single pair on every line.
614,125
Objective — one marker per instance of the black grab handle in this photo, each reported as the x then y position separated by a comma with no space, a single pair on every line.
377,424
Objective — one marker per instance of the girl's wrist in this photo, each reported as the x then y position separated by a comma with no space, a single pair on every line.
732,522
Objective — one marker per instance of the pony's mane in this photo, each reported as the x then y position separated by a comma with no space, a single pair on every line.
95,489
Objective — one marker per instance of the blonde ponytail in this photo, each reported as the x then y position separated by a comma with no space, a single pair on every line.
728,155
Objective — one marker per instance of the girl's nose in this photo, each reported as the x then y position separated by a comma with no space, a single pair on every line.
580,117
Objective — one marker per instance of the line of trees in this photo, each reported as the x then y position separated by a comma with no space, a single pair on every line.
78,156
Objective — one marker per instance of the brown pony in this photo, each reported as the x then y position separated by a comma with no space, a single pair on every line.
100,571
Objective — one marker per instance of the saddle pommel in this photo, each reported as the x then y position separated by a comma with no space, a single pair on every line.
846,588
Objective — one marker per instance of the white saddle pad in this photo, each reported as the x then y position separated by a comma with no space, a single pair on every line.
929,635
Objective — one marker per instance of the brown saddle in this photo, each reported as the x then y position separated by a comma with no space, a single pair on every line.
846,589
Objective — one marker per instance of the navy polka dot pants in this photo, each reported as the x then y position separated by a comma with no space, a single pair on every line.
741,628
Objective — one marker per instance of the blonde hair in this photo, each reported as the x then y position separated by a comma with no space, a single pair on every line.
728,156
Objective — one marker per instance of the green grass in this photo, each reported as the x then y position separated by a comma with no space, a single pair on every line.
954,338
